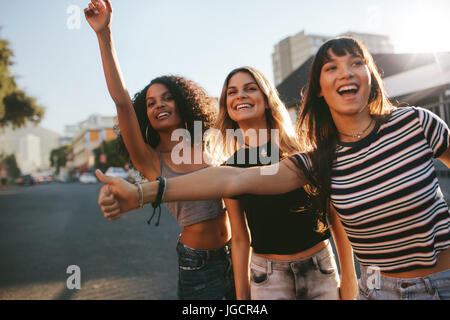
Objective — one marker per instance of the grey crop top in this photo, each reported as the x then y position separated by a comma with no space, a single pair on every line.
190,212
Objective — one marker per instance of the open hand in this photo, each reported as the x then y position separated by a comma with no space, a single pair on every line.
99,15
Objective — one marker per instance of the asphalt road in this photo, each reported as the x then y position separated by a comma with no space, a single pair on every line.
47,228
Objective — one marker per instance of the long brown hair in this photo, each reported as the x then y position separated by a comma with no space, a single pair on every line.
277,117
315,122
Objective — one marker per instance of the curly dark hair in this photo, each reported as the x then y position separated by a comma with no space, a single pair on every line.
191,100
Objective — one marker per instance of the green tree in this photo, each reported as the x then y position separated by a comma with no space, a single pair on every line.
113,156
16,108
58,157
11,166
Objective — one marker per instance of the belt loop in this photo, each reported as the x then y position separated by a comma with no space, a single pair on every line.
428,285
269,267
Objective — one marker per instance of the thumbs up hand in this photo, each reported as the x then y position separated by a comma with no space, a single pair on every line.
116,196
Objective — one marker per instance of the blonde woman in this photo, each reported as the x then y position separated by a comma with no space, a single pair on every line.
281,239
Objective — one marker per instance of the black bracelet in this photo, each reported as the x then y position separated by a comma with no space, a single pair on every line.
157,203
161,189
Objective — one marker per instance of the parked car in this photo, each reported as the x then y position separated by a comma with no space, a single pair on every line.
133,176
25,180
43,178
88,177
116,172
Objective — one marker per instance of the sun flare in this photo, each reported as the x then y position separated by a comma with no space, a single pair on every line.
423,29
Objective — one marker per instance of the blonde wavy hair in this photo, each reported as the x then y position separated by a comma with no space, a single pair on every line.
220,148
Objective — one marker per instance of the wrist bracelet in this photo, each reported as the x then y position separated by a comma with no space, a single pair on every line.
141,196
159,197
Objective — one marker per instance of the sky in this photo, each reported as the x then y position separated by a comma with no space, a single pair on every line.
57,58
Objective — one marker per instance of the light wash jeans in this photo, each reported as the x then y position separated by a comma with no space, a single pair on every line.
312,278
375,286
205,274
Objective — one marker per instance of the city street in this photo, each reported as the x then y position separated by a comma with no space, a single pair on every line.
45,229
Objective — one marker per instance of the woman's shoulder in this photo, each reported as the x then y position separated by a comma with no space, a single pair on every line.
416,113
399,113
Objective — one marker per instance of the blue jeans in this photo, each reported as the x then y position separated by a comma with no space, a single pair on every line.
205,274
312,278
375,286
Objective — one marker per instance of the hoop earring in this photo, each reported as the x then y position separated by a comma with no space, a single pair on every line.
146,134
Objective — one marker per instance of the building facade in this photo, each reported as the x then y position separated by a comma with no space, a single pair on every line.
31,146
90,135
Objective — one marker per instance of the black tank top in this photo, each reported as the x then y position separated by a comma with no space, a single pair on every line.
279,224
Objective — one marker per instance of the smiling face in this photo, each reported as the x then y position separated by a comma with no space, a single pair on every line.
161,108
244,99
345,83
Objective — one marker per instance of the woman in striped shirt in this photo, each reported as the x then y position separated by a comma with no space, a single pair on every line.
372,166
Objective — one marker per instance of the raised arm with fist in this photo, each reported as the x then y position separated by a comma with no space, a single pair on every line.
98,15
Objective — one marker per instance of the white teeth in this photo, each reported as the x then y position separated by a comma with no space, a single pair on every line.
162,114
349,87
243,106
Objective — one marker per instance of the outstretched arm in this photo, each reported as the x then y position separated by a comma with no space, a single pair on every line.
225,182
144,158
210,183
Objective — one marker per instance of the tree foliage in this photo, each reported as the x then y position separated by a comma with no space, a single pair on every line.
16,108
113,157
58,157
11,166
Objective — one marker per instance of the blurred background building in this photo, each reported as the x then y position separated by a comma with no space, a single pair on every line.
31,146
89,135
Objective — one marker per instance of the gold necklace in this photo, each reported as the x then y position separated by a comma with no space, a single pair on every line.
358,134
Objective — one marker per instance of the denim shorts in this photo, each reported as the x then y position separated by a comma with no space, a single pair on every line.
375,286
205,274
312,278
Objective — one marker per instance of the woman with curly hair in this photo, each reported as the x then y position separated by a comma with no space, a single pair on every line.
146,123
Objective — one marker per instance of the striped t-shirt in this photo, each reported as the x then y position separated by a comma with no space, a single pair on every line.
385,191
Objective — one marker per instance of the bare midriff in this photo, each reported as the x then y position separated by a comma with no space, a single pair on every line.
295,256
208,234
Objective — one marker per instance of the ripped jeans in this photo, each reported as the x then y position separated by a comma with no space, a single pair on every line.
205,274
